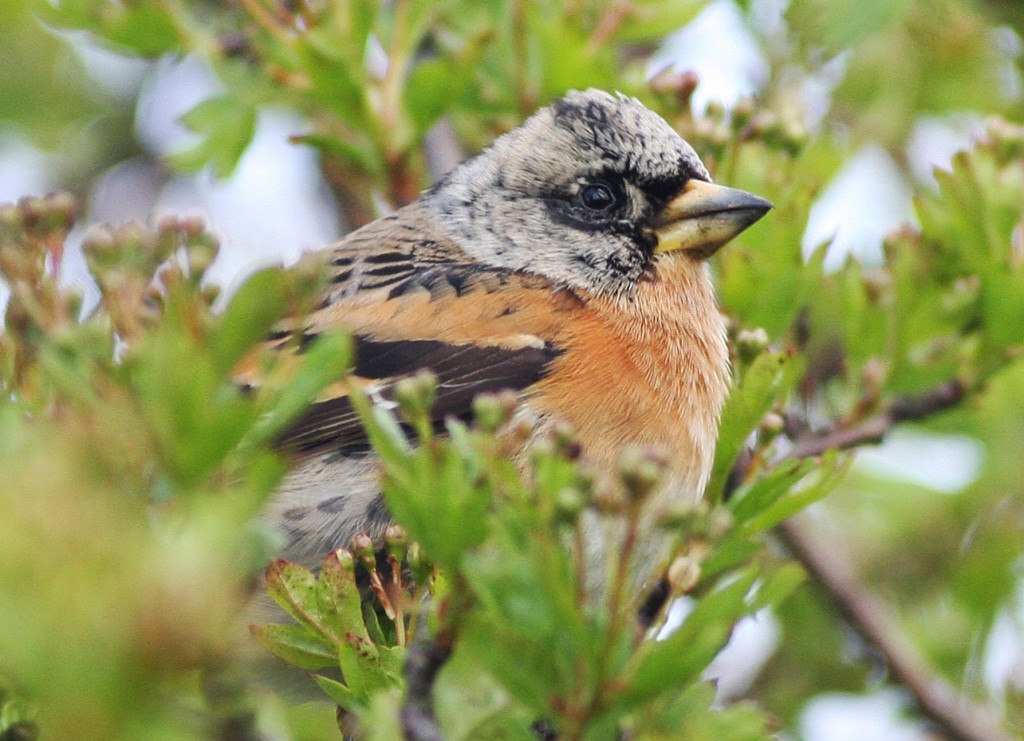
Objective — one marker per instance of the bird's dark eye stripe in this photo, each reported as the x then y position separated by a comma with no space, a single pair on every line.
664,189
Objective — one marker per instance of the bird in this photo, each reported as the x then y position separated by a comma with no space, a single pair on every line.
567,262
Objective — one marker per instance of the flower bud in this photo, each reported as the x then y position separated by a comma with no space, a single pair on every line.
610,500
771,425
683,575
750,343
64,207
873,376
679,85
419,567
720,523
345,560
714,110
564,438
492,411
876,284
522,430
191,226
793,137
763,125
742,112
680,515
201,256
396,540
641,469
569,502
415,394
10,217
361,546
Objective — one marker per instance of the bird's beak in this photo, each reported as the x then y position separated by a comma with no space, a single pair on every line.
705,216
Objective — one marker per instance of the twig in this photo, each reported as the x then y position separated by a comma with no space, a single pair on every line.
609,24
939,701
266,20
904,409
520,58
421,667
403,184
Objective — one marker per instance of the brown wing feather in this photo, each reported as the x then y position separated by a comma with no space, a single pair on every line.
463,372
415,302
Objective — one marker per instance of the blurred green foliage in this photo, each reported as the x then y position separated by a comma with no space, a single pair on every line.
133,465
37,98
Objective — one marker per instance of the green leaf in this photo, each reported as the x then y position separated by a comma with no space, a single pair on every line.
434,491
368,669
778,585
728,554
653,20
439,85
751,500
382,720
336,68
569,61
197,415
529,629
352,664
679,659
339,606
693,716
372,622
359,155
226,125
295,644
844,23
386,435
295,589
348,700
256,305
822,479
759,388
143,27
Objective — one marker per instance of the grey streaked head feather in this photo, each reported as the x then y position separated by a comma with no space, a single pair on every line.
515,205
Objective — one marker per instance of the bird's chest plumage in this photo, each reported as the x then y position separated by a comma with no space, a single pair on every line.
650,370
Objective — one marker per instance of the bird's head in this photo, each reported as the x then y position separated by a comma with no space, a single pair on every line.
589,192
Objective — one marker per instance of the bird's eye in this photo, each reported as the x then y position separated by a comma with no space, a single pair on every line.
597,197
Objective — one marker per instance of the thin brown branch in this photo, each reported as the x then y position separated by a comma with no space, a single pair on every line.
266,20
351,190
903,409
520,59
954,714
948,709
609,24
939,701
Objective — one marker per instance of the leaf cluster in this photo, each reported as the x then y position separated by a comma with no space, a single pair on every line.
374,78
133,465
535,596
